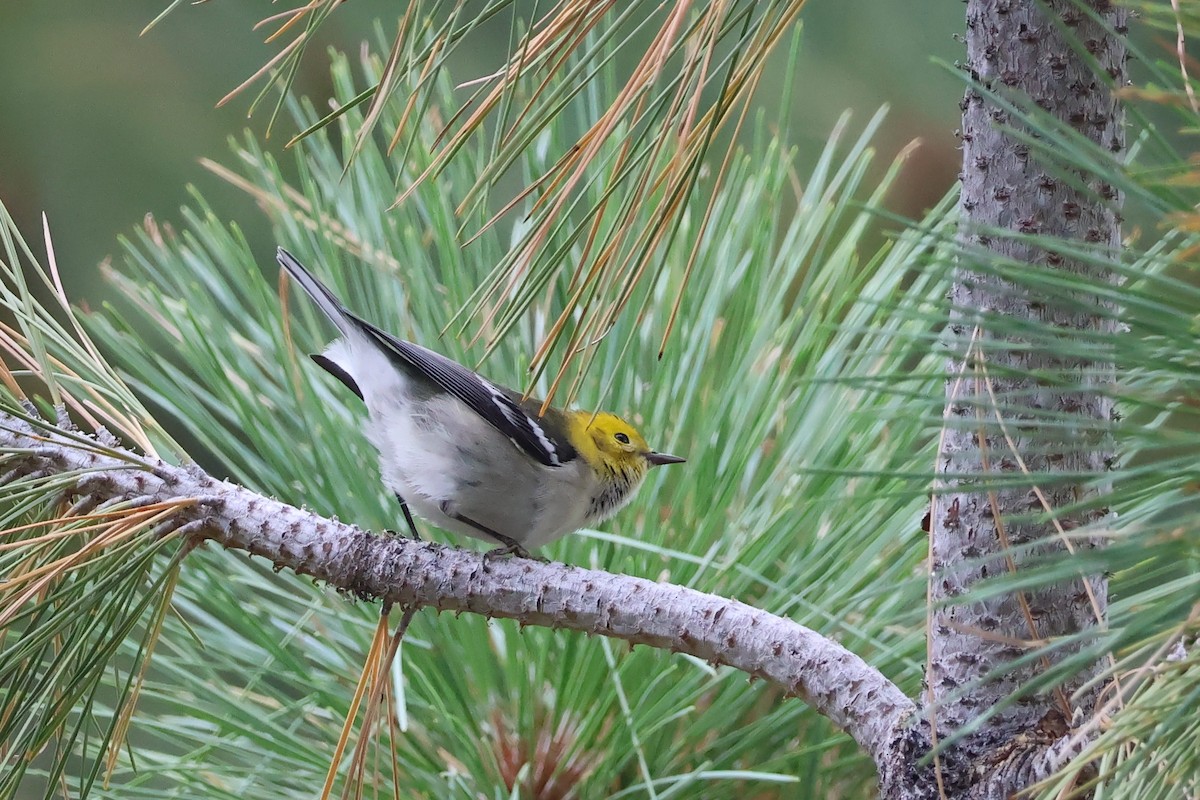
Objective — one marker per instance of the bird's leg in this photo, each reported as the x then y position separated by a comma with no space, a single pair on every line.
408,517
511,546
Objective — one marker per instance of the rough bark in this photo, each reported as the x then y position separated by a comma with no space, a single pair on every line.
1053,407
834,681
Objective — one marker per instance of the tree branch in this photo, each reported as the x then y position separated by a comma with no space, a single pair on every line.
834,681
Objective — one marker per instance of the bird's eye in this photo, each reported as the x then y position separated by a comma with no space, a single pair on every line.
622,438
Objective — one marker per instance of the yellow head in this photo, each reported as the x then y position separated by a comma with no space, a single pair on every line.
618,455
611,444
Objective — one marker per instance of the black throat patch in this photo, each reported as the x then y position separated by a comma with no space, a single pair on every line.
618,484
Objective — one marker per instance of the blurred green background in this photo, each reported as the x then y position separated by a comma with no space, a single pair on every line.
100,125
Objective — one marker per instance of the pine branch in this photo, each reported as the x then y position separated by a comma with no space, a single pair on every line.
834,681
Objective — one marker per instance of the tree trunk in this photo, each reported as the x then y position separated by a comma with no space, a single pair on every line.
1020,415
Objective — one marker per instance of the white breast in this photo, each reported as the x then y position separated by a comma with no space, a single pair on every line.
444,459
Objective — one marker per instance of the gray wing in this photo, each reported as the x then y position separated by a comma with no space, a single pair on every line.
500,407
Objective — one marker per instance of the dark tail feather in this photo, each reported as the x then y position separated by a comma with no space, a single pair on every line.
336,371
326,301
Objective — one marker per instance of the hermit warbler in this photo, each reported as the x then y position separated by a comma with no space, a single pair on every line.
473,457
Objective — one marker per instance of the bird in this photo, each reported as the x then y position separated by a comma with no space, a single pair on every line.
469,455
